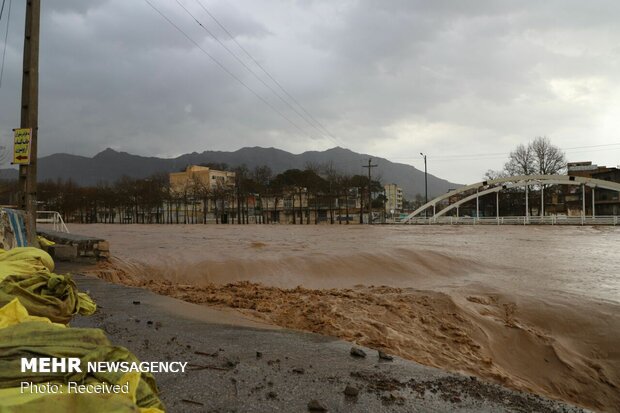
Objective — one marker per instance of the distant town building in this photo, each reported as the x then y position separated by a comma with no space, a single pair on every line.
585,169
394,198
201,175
606,202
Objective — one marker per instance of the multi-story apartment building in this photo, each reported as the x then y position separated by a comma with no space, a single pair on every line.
394,199
201,175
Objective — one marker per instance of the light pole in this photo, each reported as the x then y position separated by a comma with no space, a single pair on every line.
425,183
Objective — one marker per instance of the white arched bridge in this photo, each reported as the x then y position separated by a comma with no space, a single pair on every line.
446,208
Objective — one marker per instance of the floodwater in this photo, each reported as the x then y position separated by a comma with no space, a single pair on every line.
533,308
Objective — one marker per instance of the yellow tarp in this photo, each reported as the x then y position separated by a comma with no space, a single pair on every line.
44,242
22,335
15,313
27,273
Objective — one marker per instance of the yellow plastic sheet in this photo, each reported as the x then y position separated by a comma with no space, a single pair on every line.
15,313
27,273
22,335
25,261
44,242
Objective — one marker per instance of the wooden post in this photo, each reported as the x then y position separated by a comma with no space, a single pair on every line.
29,116
369,166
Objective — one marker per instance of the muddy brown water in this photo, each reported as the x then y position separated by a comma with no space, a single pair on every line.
533,308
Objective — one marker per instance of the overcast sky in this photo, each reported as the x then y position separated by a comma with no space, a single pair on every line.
453,79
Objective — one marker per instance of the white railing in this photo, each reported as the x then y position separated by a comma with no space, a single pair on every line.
516,220
53,218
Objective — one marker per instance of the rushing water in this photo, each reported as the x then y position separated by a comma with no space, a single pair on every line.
541,260
534,308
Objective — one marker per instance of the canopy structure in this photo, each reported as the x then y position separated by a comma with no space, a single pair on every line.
497,185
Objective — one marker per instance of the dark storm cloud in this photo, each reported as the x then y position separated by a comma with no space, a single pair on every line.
387,77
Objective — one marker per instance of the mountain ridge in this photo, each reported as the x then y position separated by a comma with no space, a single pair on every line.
110,165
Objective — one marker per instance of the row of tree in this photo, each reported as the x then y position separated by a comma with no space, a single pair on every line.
256,192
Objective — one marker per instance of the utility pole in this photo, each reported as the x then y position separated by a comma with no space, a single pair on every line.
30,115
369,166
425,183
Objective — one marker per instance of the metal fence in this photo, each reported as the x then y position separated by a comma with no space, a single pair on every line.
53,218
516,220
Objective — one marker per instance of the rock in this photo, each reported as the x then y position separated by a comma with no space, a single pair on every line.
316,406
385,356
62,252
272,395
357,352
259,354
351,391
103,246
298,370
136,302
149,322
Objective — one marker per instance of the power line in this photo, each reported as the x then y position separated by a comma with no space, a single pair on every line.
225,69
248,54
496,155
249,69
477,159
6,37
593,146
2,9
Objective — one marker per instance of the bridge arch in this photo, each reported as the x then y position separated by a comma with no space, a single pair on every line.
497,185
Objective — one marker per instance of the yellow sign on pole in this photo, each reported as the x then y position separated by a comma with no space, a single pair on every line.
21,146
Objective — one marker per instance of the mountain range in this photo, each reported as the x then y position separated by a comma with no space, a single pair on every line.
109,165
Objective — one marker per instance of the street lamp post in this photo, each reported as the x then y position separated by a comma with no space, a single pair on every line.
425,183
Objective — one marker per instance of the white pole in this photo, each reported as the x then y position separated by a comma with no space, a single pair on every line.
497,206
542,201
583,203
593,212
477,207
527,203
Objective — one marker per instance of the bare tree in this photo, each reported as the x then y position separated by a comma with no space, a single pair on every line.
521,161
537,157
493,174
332,177
548,158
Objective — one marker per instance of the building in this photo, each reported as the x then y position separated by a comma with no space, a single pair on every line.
394,199
585,169
200,193
202,176
606,202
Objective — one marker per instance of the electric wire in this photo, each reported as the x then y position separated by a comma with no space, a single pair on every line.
501,155
256,62
225,69
249,69
2,9
6,38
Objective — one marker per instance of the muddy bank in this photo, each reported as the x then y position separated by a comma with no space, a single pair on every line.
560,350
257,370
